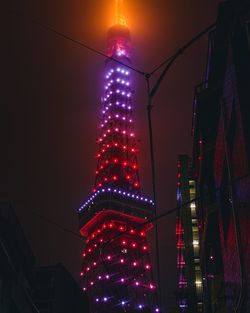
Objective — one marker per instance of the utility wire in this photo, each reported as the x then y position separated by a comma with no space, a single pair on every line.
159,66
50,221
67,37
169,62
149,108
175,209
184,47
87,46
158,217
149,221
150,95
105,244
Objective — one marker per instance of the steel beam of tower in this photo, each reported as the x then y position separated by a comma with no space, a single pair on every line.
116,273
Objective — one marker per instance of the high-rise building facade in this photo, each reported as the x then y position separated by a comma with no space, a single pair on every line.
190,290
116,272
221,158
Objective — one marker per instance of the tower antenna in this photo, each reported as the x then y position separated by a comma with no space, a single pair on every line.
119,16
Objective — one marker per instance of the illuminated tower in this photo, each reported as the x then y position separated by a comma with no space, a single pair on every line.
116,273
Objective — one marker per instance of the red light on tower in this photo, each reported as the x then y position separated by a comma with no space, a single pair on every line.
116,205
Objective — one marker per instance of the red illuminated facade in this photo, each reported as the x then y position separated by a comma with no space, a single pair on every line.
116,272
221,157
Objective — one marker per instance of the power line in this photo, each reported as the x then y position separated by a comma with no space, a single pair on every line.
84,45
158,217
151,92
88,47
184,47
153,172
150,95
105,244
50,221
152,220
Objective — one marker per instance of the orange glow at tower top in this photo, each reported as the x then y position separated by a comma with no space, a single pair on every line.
119,16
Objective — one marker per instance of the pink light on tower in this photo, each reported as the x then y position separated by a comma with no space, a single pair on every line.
116,205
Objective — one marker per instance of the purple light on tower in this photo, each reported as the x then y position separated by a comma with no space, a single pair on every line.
117,275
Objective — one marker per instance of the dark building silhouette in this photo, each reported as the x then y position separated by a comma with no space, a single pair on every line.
221,137
190,297
16,265
57,292
25,289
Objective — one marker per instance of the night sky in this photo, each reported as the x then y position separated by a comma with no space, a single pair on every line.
51,108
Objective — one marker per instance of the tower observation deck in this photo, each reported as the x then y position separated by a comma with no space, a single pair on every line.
116,273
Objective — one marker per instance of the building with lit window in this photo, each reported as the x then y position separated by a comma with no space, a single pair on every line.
116,272
190,290
221,137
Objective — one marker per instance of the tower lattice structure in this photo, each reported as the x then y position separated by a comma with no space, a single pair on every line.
116,272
